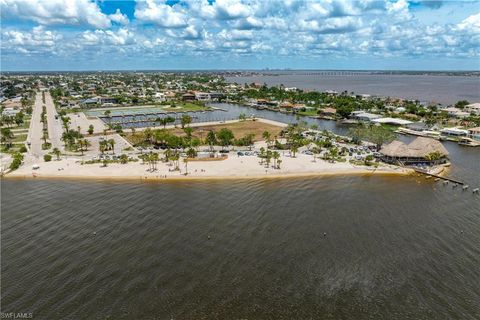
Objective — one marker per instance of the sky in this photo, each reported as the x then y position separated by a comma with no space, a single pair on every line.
48,35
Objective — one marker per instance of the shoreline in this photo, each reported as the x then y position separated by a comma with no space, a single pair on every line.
158,178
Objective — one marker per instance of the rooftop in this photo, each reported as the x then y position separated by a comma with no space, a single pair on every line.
418,148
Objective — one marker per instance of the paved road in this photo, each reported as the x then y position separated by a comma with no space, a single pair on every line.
55,129
35,133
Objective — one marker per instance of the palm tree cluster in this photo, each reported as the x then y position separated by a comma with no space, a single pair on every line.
106,145
295,140
17,119
266,157
151,159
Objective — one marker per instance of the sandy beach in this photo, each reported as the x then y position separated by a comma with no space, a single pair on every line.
234,167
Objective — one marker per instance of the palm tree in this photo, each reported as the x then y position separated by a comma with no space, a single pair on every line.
175,158
268,158
168,155
80,144
316,150
111,142
7,136
294,149
191,153
56,151
185,160
266,137
103,146
211,139
186,120
262,154
276,156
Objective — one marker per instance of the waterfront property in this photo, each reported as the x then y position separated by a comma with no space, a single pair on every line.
474,133
453,132
472,139
421,151
392,121
473,108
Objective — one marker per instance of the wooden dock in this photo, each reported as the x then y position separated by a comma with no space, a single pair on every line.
438,177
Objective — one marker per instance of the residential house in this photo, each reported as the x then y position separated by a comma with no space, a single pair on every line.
473,108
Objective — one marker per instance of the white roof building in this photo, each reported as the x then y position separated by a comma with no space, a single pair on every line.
394,121
453,131
473,108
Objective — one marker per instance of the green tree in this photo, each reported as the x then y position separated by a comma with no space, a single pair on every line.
19,118
103,145
56,152
267,137
7,136
226,137
191,153
90,129
17,159
275,156
211,139
186,120
111,142
461,104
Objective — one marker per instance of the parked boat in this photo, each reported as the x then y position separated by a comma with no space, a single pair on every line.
469,142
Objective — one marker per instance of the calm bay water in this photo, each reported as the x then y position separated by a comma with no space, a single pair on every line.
432,88
395,248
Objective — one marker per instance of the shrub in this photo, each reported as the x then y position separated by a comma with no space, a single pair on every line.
46,146
23,149
47,157
17,161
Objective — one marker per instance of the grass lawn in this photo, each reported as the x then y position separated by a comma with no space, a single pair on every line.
308,113
24,125
187,106
19,138
239,129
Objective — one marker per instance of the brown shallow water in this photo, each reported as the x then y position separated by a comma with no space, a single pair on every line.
395,248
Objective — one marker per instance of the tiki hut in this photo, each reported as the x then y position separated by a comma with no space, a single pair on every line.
421,151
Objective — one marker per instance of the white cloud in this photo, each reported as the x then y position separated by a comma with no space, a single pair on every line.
38,40
161,14
399,9
280,27
37,37
119,37
470,24
221,9
55,12
235,35
119,17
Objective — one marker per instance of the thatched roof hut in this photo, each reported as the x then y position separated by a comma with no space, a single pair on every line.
421,147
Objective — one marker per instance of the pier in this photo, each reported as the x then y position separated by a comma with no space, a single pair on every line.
429,175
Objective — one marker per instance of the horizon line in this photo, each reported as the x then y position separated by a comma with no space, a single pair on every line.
242,70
